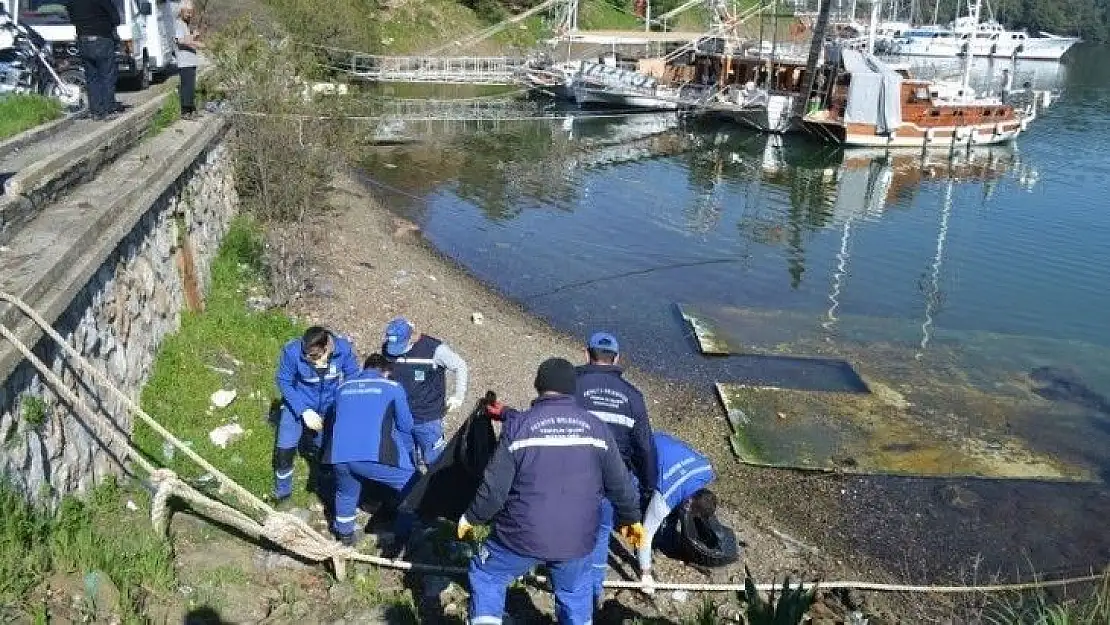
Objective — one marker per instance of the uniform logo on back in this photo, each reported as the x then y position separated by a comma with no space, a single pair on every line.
418,375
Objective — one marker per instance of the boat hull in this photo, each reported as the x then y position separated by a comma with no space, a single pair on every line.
912,136
777,116
1034,49
601,97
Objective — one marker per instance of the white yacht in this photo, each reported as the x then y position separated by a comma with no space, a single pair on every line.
987,39
992,39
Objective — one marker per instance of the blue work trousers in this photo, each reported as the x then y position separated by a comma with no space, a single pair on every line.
430,442
496,566
600,557
292,435
348,489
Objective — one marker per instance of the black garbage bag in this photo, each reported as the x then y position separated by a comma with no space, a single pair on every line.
451,482
704,541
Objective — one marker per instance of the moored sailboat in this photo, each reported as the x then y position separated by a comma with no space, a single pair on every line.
871,104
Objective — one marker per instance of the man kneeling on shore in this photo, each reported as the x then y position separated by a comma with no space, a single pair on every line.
683,477
371,439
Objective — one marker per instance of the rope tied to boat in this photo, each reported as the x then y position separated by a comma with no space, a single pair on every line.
295,535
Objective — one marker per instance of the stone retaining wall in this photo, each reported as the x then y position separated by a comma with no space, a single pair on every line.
117,321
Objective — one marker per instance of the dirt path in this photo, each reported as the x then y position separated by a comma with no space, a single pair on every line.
368,266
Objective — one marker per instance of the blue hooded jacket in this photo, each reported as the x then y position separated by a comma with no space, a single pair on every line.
603,391
303,386
682,471
372,423
544,485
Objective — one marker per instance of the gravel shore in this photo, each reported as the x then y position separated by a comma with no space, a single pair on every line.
367,266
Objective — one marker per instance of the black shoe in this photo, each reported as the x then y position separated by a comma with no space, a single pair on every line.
120,107
347,540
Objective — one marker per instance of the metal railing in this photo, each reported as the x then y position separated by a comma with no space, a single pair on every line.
475,70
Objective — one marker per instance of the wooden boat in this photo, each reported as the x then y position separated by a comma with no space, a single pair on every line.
750,88
871,104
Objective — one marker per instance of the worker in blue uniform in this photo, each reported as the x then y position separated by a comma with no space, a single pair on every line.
309,372
542,492
420,363
602,390
684,475
370,438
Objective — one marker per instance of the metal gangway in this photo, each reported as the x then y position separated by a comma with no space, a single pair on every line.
447,70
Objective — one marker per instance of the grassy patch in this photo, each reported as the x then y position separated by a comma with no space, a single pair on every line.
23,112
192,364
408,27
167,114
98,534
1089,606
34,410
602,15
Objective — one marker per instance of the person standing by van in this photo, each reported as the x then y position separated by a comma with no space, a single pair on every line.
187,45
95,22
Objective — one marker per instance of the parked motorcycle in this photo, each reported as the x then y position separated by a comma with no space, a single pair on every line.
27,67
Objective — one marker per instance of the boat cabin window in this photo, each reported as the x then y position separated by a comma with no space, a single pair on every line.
921,93
934,113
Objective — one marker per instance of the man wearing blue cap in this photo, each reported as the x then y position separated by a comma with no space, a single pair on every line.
420,364
602,390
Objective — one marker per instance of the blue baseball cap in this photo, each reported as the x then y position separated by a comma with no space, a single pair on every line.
397,335
603,341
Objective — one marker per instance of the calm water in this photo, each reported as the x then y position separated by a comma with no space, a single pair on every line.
999,260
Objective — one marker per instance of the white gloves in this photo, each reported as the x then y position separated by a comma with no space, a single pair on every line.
648,582
453,403
312,420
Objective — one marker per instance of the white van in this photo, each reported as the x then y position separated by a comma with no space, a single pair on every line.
146,47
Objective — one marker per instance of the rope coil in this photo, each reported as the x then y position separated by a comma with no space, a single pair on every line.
297,536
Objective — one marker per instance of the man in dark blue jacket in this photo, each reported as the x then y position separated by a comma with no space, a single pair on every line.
542,491
370,438
420,363
602,389
309,372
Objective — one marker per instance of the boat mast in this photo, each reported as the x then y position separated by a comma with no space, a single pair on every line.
973,13
815,47
876,8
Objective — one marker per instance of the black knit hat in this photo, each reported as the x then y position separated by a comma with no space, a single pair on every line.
555,375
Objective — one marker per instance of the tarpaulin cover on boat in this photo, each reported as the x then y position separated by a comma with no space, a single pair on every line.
451,482
874,94
615,77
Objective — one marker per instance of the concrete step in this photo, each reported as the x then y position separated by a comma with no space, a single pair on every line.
63,243
38,169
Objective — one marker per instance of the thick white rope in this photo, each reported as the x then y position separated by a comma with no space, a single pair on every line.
295,535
